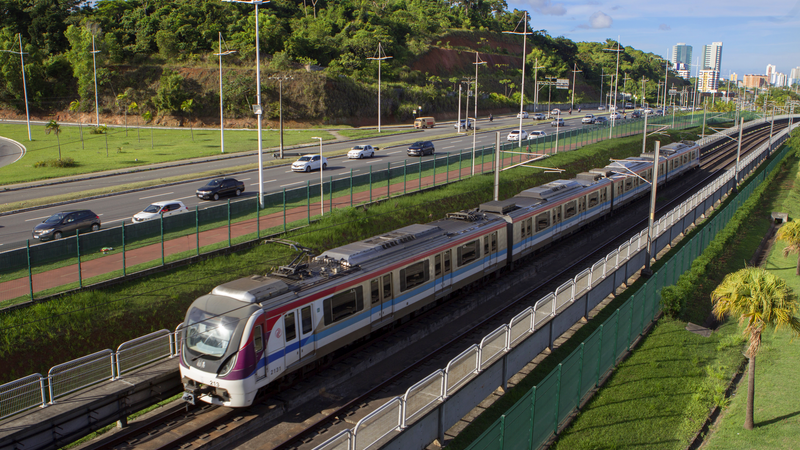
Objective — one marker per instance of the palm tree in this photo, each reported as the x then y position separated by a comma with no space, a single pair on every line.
75,106
55,128
761,300
186,107
790,233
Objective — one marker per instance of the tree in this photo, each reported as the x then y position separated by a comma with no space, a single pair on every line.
187,107
134,108
81,59
122,102
55,128
790,233
75,106
148,117
760,299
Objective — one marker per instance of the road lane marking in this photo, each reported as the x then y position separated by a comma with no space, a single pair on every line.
269,181
451,146
157,195
37,218
116,220
392,153
244,179
183,198
291,184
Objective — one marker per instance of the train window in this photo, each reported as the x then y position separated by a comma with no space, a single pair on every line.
570,209
619,188
258,339
387,287
468,252
289,330
437,265
414,275
485,245
343,304
446,261
305,320
494,242
556,214
530,227
594,199
375,291
542,221
582,204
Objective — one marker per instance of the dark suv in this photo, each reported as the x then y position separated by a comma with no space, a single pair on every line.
220,187
421,148
66,223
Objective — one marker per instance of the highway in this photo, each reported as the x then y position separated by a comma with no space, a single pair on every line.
16,228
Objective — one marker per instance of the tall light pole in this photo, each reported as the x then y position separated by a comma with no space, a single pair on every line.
651,218
524,34
536,68
477,63
257,107
24,85
574,71
221,110
321,185
644,95
380,56
96,103
280,109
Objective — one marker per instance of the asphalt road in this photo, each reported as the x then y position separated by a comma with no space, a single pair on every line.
16,228
10,151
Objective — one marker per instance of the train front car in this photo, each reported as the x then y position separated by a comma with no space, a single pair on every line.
223,342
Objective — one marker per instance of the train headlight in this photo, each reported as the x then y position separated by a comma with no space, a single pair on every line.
228,366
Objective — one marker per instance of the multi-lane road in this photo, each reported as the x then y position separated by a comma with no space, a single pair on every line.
16,228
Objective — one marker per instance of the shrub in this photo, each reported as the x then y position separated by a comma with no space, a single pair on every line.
66,162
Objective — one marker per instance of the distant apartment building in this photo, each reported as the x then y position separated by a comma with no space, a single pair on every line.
710,64
682,70
682,54
794,76
779,79
771,69
756,81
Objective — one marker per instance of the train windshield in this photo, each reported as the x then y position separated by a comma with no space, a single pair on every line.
209,334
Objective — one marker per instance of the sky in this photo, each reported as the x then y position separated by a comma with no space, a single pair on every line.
753,33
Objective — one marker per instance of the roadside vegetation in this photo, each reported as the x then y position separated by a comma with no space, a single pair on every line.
58,330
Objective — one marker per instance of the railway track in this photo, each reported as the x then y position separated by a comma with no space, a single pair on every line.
283,420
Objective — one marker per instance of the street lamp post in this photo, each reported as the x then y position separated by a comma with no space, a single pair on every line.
574,71
477,63
524,34
24,84
321,184
379,58
651,218
96,103
616,83
280,109
221,110
257,107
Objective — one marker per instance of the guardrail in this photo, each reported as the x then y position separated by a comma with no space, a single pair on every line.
120,251
38,391
537,416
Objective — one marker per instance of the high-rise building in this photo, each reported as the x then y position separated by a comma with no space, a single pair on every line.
756,81
682,53
682,70
794,76
711,63
779,79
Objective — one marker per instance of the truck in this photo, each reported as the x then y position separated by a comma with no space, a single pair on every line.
424,122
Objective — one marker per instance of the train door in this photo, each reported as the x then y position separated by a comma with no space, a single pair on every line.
443,272
307,342
381,295
291,348
556,214
490,250
261,355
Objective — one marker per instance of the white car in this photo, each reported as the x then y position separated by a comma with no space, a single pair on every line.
307,163
516,135
555,112
615,116
589,118
158,209
601,108
536,135
522,115
361,151
648,111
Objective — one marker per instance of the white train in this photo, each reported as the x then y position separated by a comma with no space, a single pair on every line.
252,331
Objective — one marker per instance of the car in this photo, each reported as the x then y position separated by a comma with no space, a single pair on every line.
539,116
516,135
555,112
465,124
658,112
636,115
66,223
648,111
536,135
421,148
160,209
615,116
601,108
559,122
307,163
629,105
589,118
220,187
522,115
361,151
600,120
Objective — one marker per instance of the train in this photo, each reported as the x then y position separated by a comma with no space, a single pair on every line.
253,331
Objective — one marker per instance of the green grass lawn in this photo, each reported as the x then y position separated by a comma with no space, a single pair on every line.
117,149
776,407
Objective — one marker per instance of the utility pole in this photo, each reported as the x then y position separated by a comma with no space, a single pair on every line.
574,71
380,56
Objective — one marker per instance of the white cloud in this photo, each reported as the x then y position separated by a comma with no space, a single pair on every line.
547,7
598,20
664,27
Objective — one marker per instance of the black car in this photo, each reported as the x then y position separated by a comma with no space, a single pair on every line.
421,148
66,223
219,188
636,115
